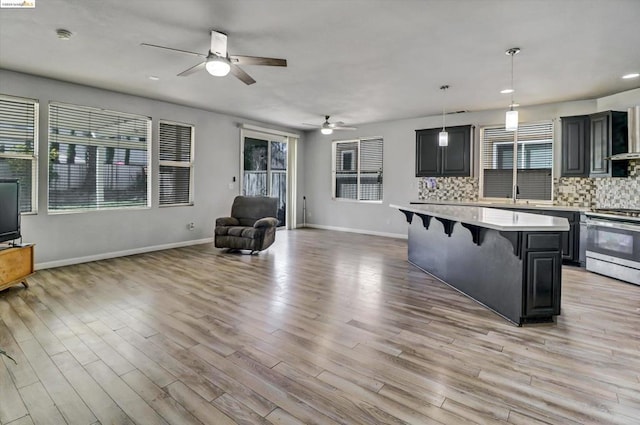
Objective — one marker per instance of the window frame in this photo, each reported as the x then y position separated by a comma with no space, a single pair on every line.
28,157
96,208
358,153
517,142
180,164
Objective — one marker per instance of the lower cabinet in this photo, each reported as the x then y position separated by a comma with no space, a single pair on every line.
570,241
543,284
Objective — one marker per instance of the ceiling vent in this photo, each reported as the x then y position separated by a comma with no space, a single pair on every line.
63,34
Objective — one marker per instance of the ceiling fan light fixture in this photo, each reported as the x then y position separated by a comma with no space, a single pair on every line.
326,130
218,67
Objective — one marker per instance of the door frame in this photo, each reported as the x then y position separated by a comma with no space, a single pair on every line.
292,140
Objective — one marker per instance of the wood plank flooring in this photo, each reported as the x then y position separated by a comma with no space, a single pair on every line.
322,328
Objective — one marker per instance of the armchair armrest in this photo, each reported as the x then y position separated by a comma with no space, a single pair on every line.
227,221
266,222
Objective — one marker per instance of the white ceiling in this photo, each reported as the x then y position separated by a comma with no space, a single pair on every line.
360,61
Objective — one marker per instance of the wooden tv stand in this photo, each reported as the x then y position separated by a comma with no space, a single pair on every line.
16,264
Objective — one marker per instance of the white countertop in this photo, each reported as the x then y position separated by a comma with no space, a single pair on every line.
503,205
491,218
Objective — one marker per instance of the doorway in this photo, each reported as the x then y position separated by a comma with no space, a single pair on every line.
265,169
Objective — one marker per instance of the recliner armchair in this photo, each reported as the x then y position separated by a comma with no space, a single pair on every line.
251,226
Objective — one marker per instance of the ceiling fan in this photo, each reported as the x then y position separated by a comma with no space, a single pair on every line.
219,63
328,127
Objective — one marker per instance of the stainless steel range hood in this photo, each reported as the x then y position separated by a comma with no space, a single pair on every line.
633,123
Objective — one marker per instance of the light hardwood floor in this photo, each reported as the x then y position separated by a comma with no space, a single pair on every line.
322,328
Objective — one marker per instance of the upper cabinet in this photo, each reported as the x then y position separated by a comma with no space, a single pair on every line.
575,146
453,160
587,142
608,137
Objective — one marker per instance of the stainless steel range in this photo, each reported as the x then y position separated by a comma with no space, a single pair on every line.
613,243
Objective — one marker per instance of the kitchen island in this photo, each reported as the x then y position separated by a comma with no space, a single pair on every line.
508,261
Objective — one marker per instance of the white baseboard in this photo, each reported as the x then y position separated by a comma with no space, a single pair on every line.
361,231
106,255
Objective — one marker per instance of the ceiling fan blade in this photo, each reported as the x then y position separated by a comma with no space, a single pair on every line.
256,60
174,50
312,125
193,69
241,75
343,128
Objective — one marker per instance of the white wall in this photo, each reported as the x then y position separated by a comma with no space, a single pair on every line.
619,101
400,183
68,238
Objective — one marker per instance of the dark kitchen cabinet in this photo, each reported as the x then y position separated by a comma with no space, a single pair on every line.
570,241
543,271
608,136
575,146
453,160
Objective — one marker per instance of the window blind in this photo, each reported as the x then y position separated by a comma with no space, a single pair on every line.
357,169
533,161
176,164
98,159
18,146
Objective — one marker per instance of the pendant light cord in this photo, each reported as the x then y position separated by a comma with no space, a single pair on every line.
444,90
512,52
512,89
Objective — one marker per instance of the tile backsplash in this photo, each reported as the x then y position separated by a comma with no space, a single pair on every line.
583,192
464,189
574,192
620,192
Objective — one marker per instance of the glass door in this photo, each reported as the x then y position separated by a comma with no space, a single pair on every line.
264,171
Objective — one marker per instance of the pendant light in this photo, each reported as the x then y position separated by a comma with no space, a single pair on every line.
511,118
443,136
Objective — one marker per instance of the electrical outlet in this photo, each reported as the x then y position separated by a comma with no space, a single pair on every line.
191,226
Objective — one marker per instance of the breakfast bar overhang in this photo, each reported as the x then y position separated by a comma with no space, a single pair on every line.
508,261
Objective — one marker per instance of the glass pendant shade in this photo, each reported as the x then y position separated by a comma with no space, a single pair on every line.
443,138
511,120
218,67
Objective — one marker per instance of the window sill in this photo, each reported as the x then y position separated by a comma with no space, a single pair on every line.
92,210
190,204
356,201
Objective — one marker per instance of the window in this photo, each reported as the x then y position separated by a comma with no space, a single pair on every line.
347,160
19,146
97,159
176,164
534,162
357,169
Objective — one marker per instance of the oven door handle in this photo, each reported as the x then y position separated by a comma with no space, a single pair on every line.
613,225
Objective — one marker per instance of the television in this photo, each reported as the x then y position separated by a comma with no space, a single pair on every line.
9,210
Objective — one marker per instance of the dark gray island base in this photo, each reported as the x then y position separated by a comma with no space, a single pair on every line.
515,271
